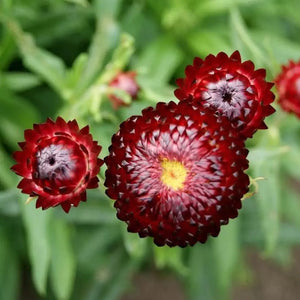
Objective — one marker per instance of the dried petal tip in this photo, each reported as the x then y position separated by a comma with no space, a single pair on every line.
231,88
125,81
58,162
176,173
288,87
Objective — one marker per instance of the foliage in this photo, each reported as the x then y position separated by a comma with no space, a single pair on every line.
56,58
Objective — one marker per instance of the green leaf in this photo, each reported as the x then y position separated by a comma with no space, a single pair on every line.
7,49
7,177
120,281
83,3
119,59
159,60
94,243
218,6
45,64
13,124
208,41
291,207
201,280
244,38
19,81
268,197
227,254
74,74
107,8
97,210
9,269
135,246
63,265
8,201
171,258
37,224
155,91
280,48
104,37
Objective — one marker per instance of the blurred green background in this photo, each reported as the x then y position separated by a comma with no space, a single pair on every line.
56,58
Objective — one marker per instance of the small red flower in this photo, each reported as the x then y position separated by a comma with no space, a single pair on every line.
288,86
176,173
58,162
125,81
231,88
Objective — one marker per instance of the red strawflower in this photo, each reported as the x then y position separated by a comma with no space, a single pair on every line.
176,173
231,88
125,81
288,86
58,162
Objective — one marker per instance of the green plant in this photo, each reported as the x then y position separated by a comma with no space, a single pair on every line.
57,58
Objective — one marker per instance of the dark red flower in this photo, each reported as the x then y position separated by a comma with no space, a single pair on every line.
288,86
231,88
58,162
176,173
125,81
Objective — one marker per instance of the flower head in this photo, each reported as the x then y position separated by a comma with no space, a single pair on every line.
125,81
288,86
231,88
176,173
58,162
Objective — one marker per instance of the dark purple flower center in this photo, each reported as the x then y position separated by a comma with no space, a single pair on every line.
55,162
228,96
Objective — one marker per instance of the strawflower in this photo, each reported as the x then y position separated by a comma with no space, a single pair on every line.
58,162
176,173
288,87
231,88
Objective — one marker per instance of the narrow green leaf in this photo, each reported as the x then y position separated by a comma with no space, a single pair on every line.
37,224
91,214
8,202
74,74
135,246
159,60
13,124
239,28
166,257
227,254
155,91
121,281
268,199
206,41
104,37
200,282
291,207
7,178
211,7
7,49
93,245
63,265
107,8
83,3
119,59
9,269
19,81
48,66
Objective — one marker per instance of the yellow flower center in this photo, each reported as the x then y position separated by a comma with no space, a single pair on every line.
173,173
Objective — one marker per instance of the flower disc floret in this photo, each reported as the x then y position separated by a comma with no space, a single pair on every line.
58,162
231,88
176,173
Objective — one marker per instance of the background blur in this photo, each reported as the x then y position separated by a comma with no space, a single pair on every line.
56,58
